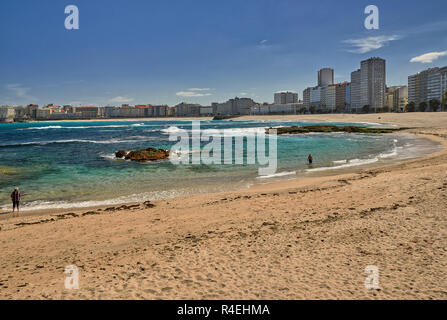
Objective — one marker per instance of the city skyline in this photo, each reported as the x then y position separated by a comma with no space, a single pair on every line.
115,58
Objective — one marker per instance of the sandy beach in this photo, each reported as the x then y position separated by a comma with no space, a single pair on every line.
306,238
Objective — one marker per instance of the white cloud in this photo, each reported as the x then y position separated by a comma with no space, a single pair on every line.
189,94
368,44
18,90
264,44
429,57
121,99
199,89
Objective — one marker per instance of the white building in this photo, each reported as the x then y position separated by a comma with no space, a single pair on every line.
328,97
236,106
373,83
355,90
315,96
427,85
290,108
7,114
325,77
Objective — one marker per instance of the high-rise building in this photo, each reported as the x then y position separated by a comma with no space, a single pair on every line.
342,96
328,98
355,90
373,83
443,72
286,97
427,85
306,98
325,77
315,97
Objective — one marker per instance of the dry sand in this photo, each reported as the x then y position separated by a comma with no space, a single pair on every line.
296,239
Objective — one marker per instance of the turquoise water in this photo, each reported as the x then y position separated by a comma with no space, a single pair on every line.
58,165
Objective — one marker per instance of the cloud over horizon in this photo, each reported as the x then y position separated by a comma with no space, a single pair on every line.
19,91
365,45
429,57
194,92
121,99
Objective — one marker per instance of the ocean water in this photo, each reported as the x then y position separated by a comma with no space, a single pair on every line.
72,164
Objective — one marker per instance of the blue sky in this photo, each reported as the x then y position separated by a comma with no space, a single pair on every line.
165,52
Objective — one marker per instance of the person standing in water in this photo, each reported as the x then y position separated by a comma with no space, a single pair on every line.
15,197
310,159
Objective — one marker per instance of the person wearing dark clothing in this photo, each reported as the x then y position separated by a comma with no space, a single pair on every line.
15,197
310,159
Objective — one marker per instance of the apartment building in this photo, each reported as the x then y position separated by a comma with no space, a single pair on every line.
325,77
355,90
427,85
285,97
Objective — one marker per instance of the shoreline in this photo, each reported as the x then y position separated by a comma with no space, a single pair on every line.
379,118
307,238
279,185
308,177
325,172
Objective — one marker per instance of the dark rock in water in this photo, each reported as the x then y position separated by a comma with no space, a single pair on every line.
143,155
120,154
150,154
333,128
224,117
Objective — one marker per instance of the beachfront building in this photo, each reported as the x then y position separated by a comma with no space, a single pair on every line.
328,98
315,98
389,99
43,114
111,112
396,98
87,112
342,96
236,106
206,111
276,109
187,110
373,83
355,91
31,111
427,85
368,86
325,77
306,98
285,97
7,114
443,72
171,112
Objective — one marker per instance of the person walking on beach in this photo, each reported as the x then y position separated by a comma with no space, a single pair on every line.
310,159
15,197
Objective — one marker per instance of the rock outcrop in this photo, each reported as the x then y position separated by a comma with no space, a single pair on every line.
143,155
332,128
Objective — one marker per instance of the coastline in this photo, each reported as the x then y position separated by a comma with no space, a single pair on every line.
284,183
278,178
394,204
413,119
